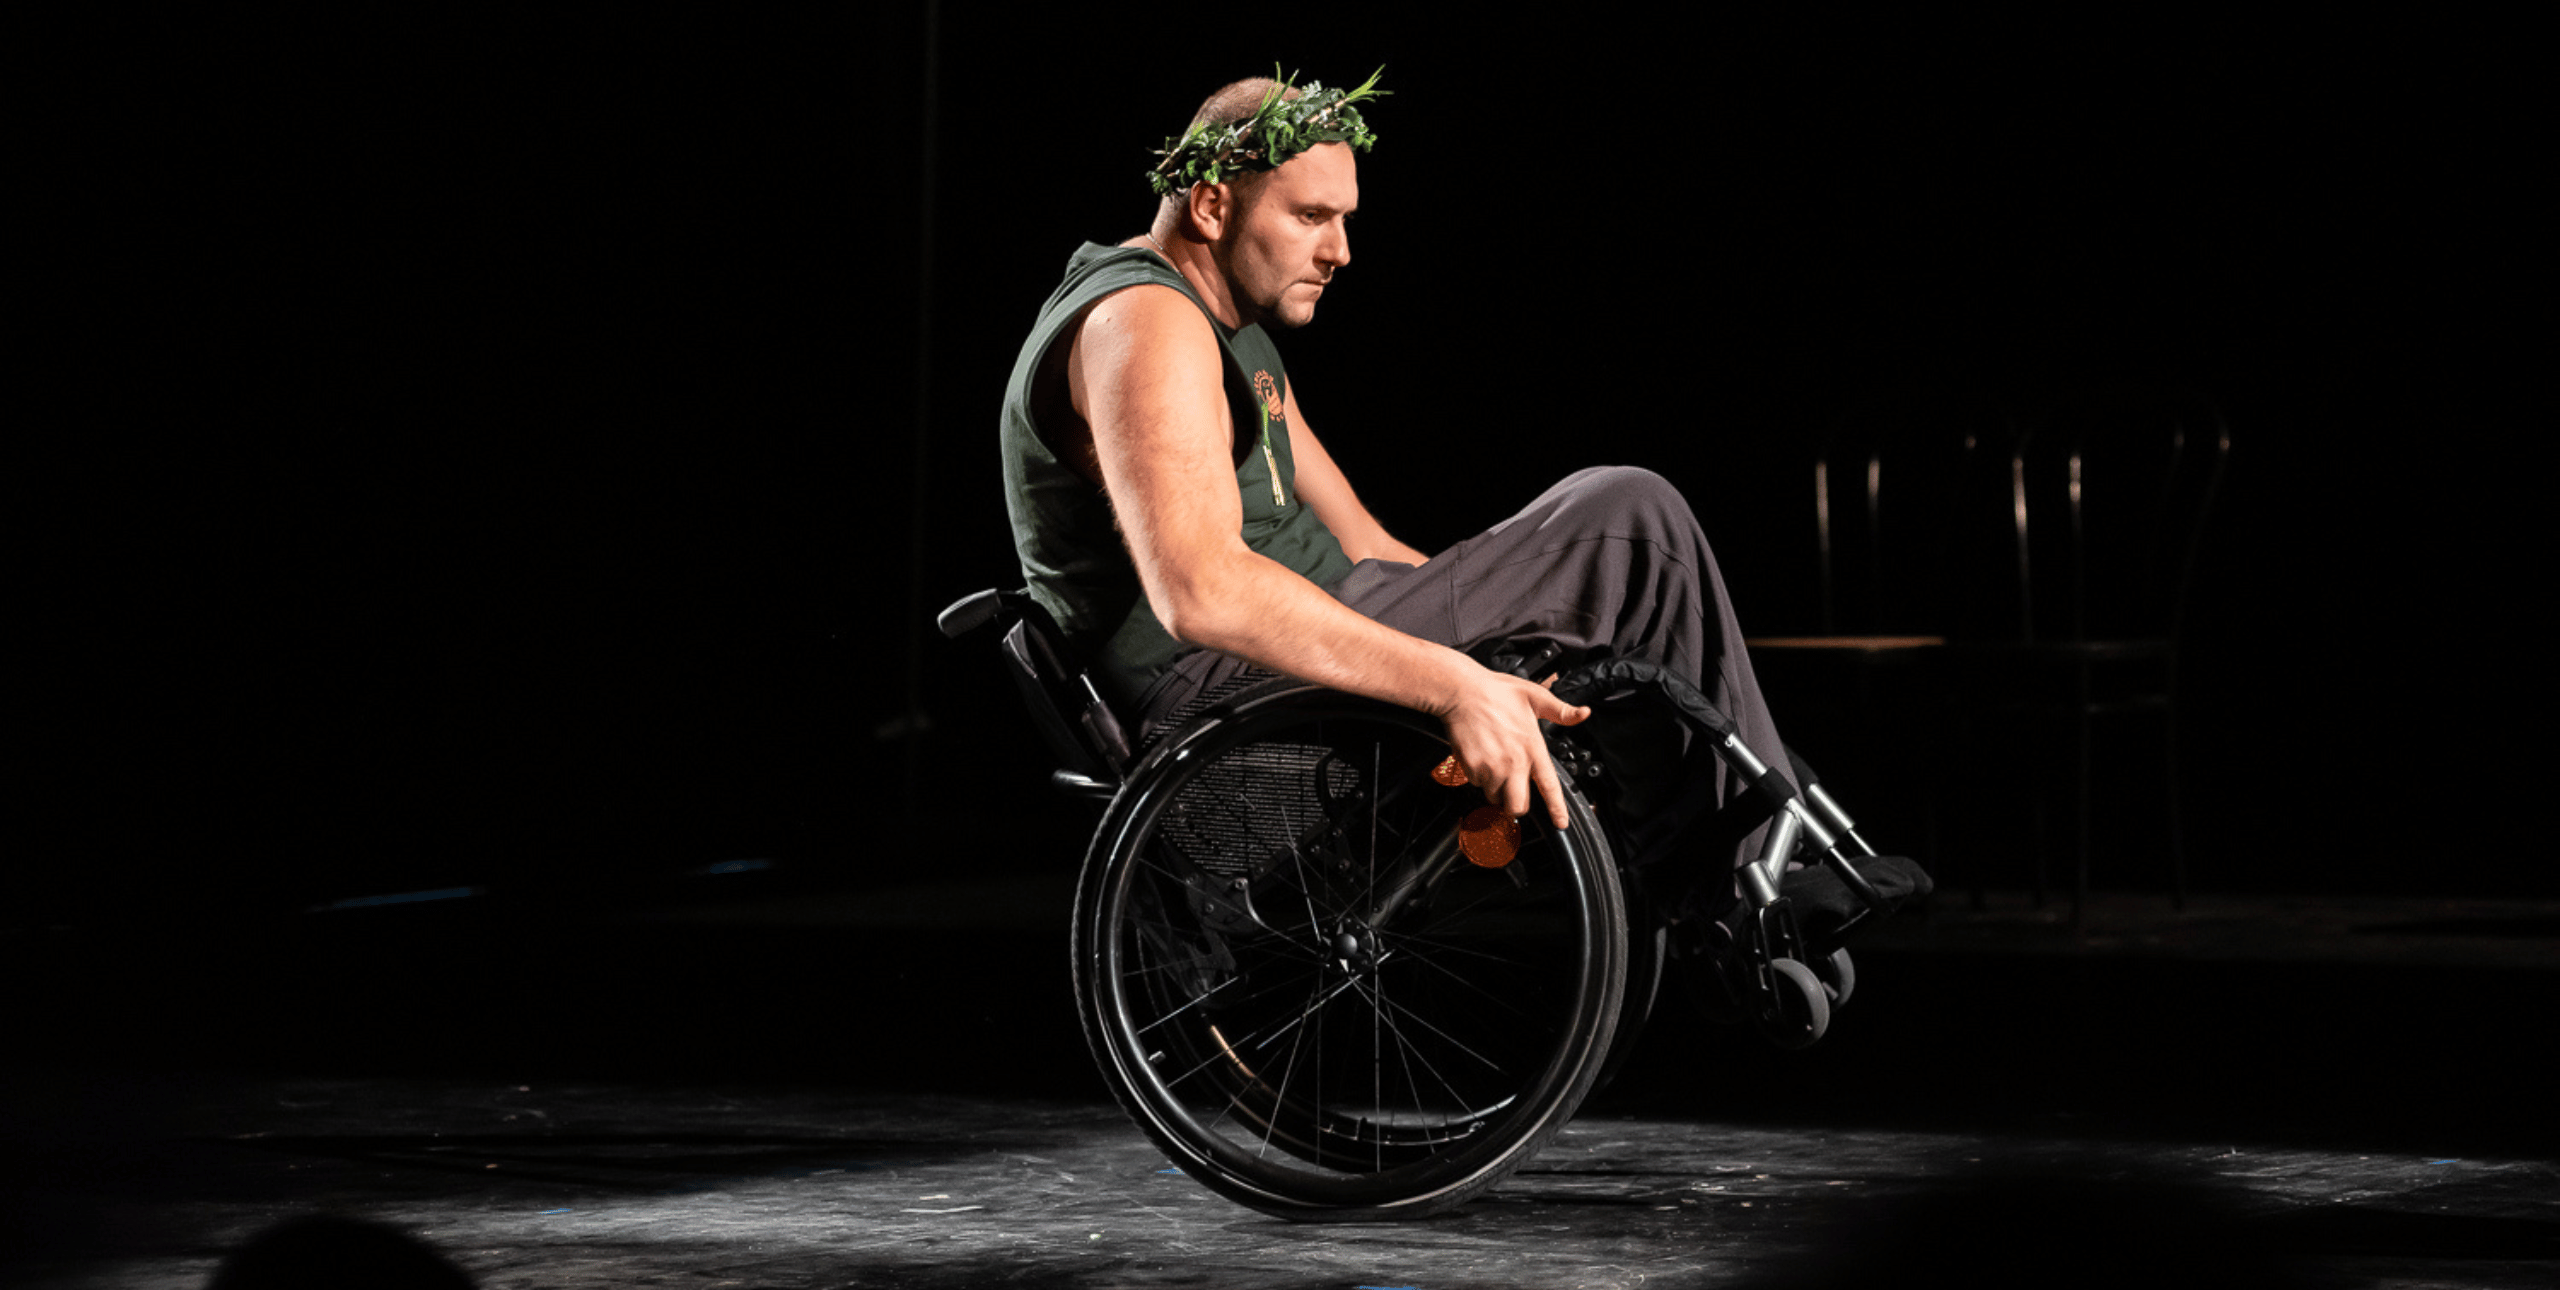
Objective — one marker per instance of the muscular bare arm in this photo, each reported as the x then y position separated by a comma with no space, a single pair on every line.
1144,373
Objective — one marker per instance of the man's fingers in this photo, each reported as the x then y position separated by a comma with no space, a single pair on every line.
1551,708
1552,791
1508,758
1517,794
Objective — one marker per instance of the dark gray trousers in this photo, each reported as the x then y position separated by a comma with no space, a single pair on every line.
1608,563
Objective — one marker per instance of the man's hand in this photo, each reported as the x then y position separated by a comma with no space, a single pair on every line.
1493,727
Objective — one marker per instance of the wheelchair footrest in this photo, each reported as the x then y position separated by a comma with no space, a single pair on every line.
1827,910
1782,967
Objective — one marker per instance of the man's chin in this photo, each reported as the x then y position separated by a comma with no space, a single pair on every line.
1293,309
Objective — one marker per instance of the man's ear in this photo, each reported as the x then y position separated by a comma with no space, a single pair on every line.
1210,206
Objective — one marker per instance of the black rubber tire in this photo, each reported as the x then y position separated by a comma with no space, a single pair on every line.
1804,1008
1384,1078
1839,975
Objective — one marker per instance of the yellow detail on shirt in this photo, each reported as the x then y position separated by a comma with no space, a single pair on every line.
1278,498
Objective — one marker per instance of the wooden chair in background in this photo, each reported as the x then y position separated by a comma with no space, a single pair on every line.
1906,498
2108,498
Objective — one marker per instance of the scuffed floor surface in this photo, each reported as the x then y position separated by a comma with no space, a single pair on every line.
891,1089
574,1186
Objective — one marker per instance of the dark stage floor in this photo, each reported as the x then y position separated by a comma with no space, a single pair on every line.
887,1088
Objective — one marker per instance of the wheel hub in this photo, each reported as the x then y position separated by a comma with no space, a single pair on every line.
1354,949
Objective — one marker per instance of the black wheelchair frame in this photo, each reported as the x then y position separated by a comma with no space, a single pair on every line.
1332,985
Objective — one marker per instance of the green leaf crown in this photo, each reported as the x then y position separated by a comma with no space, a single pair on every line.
1280,129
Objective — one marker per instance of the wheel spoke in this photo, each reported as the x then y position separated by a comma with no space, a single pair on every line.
1499,1000
1194,1002
1249,927
1298,1032
1264,1035
1406,1046
1445,1036
1414,945
1282,1049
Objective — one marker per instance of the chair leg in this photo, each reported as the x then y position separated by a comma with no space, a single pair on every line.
2042,836
2177,833
2080,872
1966,734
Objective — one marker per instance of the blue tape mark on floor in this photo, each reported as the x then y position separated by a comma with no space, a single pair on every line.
567,1210
399,898
1169,1171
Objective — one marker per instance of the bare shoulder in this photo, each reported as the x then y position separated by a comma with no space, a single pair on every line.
1146,351
1134,328
1132,334
1146,324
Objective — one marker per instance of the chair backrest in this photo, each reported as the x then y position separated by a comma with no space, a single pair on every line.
2109,495
1905,488
1080,727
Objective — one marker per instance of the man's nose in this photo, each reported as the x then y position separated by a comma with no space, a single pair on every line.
1335,249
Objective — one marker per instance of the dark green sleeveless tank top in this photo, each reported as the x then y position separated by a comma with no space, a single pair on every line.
1073,558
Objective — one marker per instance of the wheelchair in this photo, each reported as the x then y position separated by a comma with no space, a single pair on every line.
1331,984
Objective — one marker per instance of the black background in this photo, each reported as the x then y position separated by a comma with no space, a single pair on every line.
527,451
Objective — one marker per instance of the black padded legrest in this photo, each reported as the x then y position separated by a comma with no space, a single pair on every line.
1608,676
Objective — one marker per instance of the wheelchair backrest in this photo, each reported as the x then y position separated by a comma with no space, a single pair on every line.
1080,728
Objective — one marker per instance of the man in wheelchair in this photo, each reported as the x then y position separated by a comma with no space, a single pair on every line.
1183,525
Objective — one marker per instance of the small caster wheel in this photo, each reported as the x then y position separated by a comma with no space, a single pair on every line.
1802,1009
1839,975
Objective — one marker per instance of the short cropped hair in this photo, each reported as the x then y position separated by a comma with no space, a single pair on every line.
1233,102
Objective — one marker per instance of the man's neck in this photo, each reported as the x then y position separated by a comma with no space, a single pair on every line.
1192,260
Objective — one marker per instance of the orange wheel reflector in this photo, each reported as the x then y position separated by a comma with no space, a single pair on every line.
1489,837
1449,772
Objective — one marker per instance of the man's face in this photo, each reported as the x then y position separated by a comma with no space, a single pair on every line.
1292,233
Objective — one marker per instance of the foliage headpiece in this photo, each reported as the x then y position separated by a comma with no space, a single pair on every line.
1280,129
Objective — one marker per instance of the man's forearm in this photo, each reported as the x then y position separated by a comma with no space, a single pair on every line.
1244,604
1397,550
1254,608
1378,544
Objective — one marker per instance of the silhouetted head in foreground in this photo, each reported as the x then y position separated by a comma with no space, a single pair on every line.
310,1253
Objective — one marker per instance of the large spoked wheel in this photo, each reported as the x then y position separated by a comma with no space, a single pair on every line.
1304,990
